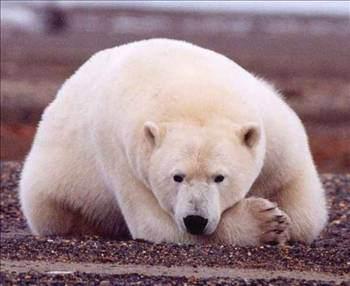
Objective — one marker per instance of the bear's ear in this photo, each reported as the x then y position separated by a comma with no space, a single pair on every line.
153,133
250,134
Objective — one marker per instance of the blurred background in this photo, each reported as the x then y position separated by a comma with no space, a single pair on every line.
302,47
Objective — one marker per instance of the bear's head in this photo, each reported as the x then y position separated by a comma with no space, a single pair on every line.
196,171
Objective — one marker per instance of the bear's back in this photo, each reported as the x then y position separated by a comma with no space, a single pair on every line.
160,79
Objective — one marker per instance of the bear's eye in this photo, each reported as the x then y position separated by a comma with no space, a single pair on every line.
219,178
178,178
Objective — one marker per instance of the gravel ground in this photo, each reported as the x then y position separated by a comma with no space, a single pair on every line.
329,254
78,278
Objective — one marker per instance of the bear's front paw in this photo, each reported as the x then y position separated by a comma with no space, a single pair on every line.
272,222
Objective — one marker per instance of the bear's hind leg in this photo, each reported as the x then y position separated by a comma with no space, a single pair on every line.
47,217
54,218
51,216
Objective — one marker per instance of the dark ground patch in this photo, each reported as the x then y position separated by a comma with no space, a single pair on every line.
78,278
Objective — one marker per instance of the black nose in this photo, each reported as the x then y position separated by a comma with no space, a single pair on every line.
195,224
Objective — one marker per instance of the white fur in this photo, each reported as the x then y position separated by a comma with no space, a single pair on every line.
132,117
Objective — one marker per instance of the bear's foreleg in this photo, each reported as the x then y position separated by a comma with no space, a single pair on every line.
253,221
304,201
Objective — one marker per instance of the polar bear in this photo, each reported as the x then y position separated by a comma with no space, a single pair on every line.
173,143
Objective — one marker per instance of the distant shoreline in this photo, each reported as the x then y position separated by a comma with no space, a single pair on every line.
312,8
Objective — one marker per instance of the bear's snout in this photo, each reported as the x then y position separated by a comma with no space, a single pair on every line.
195,224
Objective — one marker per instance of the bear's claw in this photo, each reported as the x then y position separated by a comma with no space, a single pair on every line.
272,221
